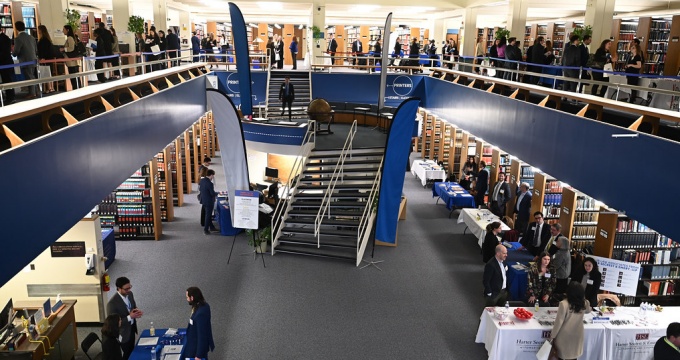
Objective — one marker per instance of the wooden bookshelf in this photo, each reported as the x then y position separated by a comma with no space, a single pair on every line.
513,180
578,217
456,158
155,196
464,143
672,64
164,185
447,146
185,145
176,157
197,156
428,130
436,139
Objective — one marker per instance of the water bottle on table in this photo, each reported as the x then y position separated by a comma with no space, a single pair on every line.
152,330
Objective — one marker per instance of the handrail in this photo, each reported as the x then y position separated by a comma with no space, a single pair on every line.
281,210
337,173
368,210
266,96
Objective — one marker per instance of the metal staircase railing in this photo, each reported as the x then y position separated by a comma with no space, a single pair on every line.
266,96
337,173
283,207
366,222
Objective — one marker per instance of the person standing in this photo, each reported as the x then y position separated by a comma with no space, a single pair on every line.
202,172
45,51
555,234
572,58
432,52
567,332
590,279
495,278
480,53
538,58
500,196
668,347
514,54
481,184
25,48
585,56
537,235
522,208
332,48
286,96
562,262
294,51
278,44
104,48
195,46
633,67
150,42
163,46
208,195
123,303
173,46
115,50
541,281
110,333
490,240
357,50
68,50
601,58
396,51
6,59
199,340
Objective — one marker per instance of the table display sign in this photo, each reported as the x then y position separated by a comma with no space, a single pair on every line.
619,277
246,205
68,249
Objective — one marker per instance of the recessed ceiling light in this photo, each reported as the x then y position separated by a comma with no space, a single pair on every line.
363,8
267,5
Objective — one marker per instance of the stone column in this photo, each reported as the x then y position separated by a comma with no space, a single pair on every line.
160,15
317,46
52,15
517,18
599,15
468,36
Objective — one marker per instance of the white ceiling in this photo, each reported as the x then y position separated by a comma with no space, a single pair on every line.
357,12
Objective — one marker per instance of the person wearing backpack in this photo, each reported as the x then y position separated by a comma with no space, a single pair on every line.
69,51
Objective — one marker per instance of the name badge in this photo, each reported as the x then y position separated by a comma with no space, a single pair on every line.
191,321
506,268
502,191
547,275
590,282
533,228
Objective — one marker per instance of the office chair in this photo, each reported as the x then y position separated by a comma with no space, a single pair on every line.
90,339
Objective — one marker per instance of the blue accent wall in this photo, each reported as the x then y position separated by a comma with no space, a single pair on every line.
49,184
363,88
228,82
637,175
272,134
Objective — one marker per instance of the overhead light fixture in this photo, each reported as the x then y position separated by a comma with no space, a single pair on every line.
363,9
349,27
267,5
373,28
301,27
252,25
277,26
418,9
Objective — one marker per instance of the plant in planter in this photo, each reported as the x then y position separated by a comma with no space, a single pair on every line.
136,26
261,239
73,18
316,32
583,31
502,33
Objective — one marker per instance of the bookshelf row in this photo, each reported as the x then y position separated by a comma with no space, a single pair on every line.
13,11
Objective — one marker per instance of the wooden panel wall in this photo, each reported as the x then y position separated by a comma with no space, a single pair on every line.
288,33
673,54
282,162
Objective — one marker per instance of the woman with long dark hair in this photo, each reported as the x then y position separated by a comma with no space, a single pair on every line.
590,278
567,332
45,51
601,58
633,67
469,170
541,281
491,240
69,52
199,340
111,338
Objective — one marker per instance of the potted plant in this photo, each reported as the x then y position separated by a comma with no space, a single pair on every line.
73,18
502,33
583,31
261,240
136,26
316,32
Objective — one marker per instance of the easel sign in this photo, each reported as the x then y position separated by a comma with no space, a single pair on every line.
246,206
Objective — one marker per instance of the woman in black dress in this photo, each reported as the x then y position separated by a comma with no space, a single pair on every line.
111,338
469,170
45,51
590,279
633,66
490,241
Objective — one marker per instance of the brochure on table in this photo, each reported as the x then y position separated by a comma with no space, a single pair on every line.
246,204
619,277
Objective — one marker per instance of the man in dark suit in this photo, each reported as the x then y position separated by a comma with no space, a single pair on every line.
495,278
522,208
537,235
332,48
195,46
6,59
199,338
500,195
123,303
208,195
286,96
357,50
481,184
104,48
173,46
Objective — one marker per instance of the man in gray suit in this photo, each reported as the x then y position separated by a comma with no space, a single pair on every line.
25,48
500,196
123,304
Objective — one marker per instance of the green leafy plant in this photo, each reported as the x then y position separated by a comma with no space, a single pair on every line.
316,32
583,31
502,33
72,18
263,235
136,24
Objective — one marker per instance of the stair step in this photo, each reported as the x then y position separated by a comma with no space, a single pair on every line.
347,170
327,252
325,222
337,186
347,162
337,195
307,240
306,180
334,213
326,232
334,204
331,155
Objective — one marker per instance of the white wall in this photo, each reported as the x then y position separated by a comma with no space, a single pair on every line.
257,161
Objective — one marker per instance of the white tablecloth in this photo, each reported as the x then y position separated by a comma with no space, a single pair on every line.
88,65
424,171
478,227
522,339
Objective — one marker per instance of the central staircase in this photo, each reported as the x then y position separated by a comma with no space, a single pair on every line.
303,94
329,212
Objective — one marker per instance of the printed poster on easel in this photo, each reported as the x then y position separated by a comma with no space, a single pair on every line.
246,206
620,277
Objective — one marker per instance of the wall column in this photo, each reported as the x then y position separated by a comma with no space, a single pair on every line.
517,18
185,25
160,15
317,46
599,15
468,35
52,16
121,14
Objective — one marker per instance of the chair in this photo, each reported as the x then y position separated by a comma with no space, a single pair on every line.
90,339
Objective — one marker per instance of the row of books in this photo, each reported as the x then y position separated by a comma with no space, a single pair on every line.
660,288
585,217
661,272
645,256
658,47
551,211
642,240
552,199
659,36
628,27
654,68
631,226
553,186
660,25
583,232
627,37
5,10
585,203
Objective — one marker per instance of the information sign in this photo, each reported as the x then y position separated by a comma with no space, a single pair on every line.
620,277
246,205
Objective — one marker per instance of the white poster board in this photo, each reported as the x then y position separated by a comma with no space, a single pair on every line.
246,204
212,80
620,277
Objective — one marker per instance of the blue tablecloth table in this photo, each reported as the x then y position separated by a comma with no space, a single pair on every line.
144,352
453,195
224,218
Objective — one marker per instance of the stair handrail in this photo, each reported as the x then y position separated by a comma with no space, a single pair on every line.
368,211
281,210
266,96
333,180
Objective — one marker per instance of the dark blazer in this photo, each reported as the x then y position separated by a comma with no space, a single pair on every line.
116,305
482,181
207,190
173,41
524,207
529,237
199,334
5,50
414,50
489,246
104,42
538,54
111,348
195,44
504,194
493,277
291,91
591,289
45,49
357,47
332,46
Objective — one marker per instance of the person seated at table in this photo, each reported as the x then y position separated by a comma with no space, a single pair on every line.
590,278
491,240
666,348
541,281
111,349
567,332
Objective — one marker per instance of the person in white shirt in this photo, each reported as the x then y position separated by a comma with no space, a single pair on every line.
495,278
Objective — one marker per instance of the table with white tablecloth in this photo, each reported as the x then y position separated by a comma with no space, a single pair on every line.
515,339
427,170
476,221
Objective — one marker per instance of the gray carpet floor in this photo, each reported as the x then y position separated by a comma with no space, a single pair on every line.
365,137
424,304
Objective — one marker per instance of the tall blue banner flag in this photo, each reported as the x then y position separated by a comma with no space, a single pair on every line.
238,29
